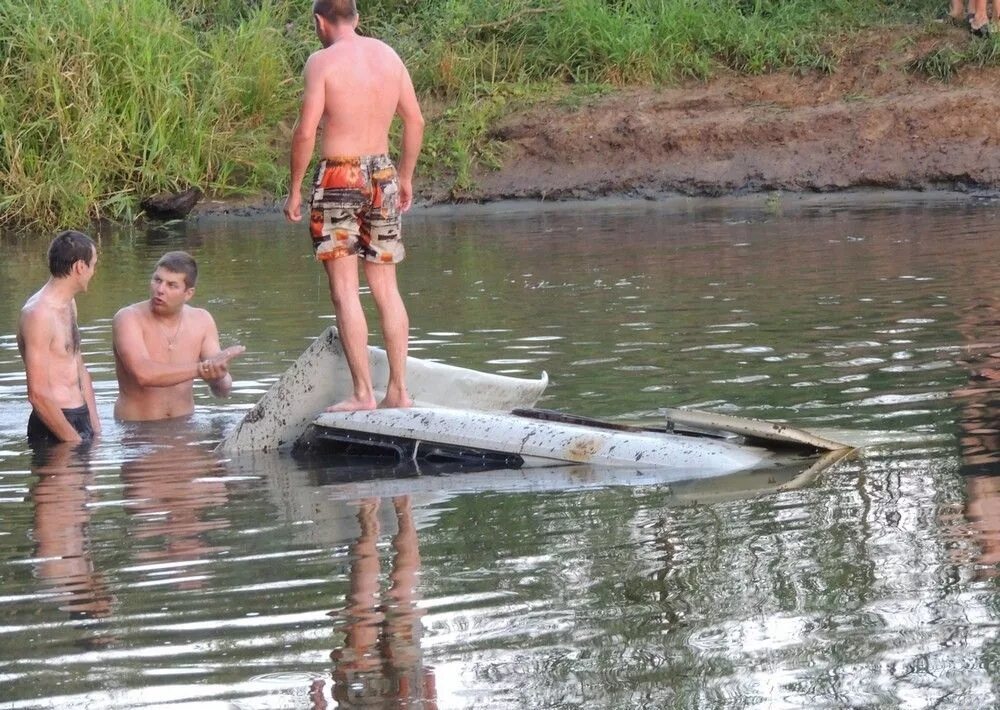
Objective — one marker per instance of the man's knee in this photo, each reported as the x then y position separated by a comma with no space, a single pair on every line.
389,302
344,299
381,279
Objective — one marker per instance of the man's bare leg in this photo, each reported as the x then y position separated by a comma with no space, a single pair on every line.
353,329
957,10
395,330
980,18
362,617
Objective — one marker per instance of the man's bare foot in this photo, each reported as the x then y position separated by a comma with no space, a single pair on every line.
395,399
353,404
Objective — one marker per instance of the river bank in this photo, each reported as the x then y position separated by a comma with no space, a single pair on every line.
873,123
567,99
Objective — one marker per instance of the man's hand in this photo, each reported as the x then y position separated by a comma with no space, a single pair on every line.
405,194
217,366
293,207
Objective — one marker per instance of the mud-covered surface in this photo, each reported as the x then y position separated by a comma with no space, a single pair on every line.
872,123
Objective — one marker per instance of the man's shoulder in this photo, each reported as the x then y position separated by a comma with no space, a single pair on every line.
34,314
377,45
335,55
199,316
37,309
40,319
376,42
129,313
31,307
321,58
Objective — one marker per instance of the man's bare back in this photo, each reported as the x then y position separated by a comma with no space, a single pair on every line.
362,79
352,89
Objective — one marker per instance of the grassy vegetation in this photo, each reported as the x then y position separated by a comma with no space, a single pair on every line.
946,58
106,101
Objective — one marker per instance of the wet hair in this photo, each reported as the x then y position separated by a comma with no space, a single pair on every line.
336,11
180,262
66,249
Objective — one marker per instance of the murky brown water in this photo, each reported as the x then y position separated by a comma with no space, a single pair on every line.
150,572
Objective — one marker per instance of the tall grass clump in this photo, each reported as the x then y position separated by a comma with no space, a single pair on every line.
944,61
461,43
107,101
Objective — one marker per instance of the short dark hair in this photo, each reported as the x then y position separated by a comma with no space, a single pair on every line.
66,249
180,262
336,11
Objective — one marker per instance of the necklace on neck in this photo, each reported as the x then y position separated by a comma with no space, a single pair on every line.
172,339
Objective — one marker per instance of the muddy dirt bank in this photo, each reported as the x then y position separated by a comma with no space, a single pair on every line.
872,123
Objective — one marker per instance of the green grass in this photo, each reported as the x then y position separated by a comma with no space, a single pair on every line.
106,101
111,100
948,58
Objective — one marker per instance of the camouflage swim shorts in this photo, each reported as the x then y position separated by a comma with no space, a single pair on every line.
355,209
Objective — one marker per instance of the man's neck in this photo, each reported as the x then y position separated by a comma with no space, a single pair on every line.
61,290
343,32
165,317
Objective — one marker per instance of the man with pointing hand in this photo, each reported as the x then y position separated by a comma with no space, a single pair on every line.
163,345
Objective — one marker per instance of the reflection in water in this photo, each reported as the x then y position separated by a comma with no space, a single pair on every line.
979,429
62,532
381,658
169,490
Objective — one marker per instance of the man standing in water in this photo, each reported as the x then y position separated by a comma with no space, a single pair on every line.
355,85
163,345
63,407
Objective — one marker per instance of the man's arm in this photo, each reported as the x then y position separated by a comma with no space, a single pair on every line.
304,135
36,329
214,367
130,349
87,388
408,109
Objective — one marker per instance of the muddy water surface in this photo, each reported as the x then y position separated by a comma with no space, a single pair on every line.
148,571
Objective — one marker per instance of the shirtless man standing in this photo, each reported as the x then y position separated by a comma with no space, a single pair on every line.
163,345
355,85
63,407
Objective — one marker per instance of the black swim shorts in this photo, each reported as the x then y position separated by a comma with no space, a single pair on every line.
79,418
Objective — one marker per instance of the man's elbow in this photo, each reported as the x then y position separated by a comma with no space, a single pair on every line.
302,136
135,370
222,390
142,378
37,399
